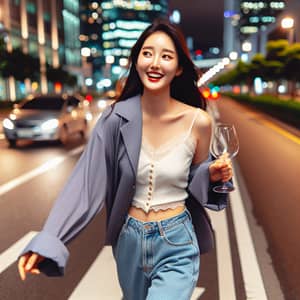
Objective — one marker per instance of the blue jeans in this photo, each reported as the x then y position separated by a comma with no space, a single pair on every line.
157,260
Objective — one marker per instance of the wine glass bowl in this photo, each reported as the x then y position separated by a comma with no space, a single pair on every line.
224,144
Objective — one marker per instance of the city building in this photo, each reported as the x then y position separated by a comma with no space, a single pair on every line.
110,29
71,26
255,17
47,30
231,22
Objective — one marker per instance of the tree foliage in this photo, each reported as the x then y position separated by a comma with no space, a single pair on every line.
282,61
19,65
60,75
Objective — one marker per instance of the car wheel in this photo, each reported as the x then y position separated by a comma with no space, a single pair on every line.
63,137
12,143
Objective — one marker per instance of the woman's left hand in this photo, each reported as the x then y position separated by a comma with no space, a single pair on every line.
220,169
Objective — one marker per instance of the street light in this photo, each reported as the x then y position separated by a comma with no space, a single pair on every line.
288,23
247,46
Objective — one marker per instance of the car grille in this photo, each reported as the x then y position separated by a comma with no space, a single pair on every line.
27,124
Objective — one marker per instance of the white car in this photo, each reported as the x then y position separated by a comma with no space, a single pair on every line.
46,117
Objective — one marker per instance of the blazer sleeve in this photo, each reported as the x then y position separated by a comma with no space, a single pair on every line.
202,189
81,199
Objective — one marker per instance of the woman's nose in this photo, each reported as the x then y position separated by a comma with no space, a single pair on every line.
155,63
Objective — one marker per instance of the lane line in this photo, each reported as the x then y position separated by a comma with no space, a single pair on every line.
224,259
100,279
10,255
97,281
50,164
281,131
198,292
253,281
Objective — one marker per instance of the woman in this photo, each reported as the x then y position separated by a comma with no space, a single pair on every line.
148,161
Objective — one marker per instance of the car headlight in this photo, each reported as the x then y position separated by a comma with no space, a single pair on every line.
50,124
101,104
8,124
88,116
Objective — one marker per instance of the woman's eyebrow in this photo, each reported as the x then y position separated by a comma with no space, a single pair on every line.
164,49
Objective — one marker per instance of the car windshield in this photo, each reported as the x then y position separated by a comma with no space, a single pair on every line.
44,103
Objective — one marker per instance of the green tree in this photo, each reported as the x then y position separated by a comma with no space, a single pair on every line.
276,50
2,54
292,66
19,65
238,75
60,75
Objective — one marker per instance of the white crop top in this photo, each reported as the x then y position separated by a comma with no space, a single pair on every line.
162,174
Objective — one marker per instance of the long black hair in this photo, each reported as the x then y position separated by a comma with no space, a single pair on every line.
184,86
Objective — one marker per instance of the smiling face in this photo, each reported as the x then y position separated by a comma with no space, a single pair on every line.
157,62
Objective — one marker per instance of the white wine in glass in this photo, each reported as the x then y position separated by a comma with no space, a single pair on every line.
224,142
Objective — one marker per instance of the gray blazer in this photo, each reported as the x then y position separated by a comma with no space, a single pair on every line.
105,175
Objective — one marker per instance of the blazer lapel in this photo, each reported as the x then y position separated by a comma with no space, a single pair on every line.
131,131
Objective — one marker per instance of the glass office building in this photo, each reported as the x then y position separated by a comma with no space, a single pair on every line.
112,28
47,30
255,15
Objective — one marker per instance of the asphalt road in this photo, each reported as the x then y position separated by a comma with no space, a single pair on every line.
269,159
263,153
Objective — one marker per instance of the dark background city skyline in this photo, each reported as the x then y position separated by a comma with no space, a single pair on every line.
201,20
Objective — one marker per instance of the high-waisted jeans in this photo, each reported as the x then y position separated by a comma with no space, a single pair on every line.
158,260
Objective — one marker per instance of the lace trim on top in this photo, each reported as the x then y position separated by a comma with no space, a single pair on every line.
164,206
185,137
157,153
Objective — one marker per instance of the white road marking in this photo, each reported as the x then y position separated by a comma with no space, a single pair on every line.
254,285
96,282
224,259
100,279
51,164
198,292
9,256
93,278
253,282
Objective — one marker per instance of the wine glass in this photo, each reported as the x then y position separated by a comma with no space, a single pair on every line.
224,143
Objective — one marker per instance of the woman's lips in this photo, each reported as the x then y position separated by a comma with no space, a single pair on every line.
154,76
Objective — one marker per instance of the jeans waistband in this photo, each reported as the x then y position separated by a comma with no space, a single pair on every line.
153,226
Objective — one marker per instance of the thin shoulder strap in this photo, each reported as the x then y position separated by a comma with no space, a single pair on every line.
193,121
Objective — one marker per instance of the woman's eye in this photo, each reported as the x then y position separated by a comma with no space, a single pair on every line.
147,53
167,56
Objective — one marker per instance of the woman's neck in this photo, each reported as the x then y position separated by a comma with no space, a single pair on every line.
156,104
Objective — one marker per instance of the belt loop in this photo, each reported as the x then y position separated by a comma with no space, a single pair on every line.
126,220
161,231
189,214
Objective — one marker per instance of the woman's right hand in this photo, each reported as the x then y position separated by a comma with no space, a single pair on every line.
28,264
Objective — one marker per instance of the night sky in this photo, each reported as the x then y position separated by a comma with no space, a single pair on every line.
201,19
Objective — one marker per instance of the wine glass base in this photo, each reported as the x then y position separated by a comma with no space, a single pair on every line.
224,189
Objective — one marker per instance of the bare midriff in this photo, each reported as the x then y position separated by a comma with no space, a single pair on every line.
153,215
